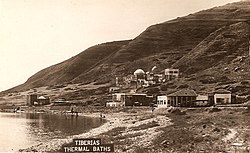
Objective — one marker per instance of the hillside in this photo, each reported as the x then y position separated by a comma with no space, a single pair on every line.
200,44
220,47
68,70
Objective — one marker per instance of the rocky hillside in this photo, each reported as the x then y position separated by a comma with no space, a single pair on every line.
200,44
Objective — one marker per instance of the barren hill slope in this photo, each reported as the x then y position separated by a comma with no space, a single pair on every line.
220,47
195,43
68,70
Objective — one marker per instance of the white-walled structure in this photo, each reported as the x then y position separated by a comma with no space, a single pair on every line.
114,104
171,73
139,74
201,100
162,101
117,97
222,96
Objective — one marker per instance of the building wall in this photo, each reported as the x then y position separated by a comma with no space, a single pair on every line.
202,97
201,100
201,103
182,101
162,101
113,104
171,73
222,99
137,100
43,101
210,99
31,99
118,97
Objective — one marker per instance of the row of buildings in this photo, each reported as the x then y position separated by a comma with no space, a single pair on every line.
39,100
182,98
36,100
141,78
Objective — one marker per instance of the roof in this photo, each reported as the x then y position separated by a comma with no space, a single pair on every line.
41,97
139,71
222,91
185,92
171,69
118,94
136,94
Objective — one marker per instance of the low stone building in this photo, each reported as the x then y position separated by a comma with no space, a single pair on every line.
182,98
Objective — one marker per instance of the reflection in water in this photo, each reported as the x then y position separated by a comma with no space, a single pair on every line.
23,130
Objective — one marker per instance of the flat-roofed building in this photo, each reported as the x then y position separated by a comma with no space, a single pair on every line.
162,101
222,96
171,74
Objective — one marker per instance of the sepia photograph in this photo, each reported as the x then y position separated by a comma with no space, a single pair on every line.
125,76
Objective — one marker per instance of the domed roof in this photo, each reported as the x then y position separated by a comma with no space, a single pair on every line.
41,97
139,71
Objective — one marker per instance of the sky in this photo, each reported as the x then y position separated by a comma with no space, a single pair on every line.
35,34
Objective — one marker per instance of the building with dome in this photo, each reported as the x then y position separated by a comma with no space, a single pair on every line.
37,100
42,100
139,74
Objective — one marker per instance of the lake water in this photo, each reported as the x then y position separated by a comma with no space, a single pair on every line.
22,130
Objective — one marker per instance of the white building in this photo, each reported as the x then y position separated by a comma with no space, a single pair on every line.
222,96
201,100
113,104
162,102
139,74
171,73
117,97
117,100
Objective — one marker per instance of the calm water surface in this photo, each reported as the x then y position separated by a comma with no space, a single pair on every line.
22,130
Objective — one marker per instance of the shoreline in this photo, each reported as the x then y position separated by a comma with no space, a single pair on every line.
113,121
179,130
56,144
